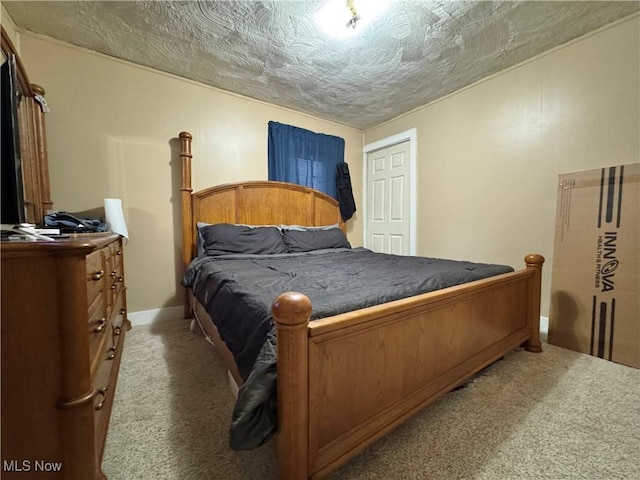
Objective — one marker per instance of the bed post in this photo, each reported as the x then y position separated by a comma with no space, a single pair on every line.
534,262
187,214
291,311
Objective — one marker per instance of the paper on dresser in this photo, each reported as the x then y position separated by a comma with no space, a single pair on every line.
114,216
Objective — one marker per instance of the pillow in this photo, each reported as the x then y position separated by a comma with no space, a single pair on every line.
228,239
200,240
309,240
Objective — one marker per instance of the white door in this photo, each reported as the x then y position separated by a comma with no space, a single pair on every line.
388,198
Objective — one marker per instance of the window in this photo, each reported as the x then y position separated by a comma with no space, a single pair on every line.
304,157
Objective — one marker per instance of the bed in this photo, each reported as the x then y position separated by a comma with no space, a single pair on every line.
345,380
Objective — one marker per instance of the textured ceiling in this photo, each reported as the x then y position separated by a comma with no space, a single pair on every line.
411,54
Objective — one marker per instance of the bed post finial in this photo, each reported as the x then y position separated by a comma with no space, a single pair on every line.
534,261
292,311
185,157
188,244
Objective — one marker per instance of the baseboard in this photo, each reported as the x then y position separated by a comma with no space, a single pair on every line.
544,324
544,328
146,317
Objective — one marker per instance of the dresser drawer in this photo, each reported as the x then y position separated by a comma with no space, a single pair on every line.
95,275
104,382
99,330
116,250
101,378
118,316
116,281
116,277
109,342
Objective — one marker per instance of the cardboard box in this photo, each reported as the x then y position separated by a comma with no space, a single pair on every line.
595,286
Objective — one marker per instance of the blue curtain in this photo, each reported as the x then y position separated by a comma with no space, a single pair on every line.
301,156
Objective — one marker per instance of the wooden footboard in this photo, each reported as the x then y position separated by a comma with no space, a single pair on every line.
345,381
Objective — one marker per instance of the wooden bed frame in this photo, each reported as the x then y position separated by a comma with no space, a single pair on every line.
347,380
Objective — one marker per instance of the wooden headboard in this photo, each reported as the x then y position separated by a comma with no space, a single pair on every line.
251,203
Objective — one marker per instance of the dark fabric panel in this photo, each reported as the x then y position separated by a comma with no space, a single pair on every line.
345,192
304,157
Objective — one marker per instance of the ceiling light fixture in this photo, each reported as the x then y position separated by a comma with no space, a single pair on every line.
338,18
351,5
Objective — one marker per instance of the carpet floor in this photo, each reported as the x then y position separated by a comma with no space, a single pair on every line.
554,415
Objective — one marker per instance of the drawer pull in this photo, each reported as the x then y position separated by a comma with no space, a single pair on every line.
113,274
101,324
103,392
119,252
123,311
120,279
112,355
97,276
117,330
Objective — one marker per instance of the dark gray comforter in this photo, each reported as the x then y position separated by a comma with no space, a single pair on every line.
238,291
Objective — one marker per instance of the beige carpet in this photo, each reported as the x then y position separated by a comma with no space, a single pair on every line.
555,415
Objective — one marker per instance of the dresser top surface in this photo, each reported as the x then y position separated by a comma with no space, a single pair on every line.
73,244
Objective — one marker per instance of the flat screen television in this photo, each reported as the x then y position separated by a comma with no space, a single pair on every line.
12,199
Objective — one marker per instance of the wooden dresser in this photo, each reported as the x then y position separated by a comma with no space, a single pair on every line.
64,319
